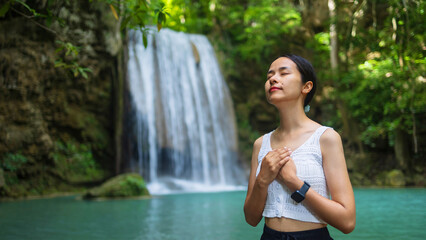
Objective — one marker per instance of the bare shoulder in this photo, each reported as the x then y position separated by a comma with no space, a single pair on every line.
330,137
258,143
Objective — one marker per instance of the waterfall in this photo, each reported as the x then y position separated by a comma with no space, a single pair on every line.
184,122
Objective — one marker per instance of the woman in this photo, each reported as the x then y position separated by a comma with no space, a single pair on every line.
296,167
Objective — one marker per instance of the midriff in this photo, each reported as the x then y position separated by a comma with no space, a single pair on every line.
291,225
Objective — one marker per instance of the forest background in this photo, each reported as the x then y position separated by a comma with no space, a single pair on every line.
63,88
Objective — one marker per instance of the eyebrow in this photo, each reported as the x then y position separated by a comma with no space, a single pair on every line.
279,69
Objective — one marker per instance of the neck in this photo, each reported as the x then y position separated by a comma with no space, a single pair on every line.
292,117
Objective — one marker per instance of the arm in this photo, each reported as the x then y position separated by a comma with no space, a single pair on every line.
340,210
257,189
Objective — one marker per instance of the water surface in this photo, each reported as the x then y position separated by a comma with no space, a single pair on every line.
381,214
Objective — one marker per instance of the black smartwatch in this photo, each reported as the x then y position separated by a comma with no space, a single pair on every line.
299,195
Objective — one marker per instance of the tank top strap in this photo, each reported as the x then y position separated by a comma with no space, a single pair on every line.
266,142
318,133
266,146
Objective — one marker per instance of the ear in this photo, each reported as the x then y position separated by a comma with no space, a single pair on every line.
307,87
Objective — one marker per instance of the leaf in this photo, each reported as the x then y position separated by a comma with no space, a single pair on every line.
4,9
82,72
59,49
145,40
113,11
28,7
59,63
49,20
124,23
161,18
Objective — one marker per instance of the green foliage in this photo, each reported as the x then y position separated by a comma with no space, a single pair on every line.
7,6
249,34
257,29
138,14
4,9
75,161
266,24
380,82
69,60
13,162
384,88
133,14
66,52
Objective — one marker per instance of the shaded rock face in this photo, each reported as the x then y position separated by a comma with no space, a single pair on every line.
41,105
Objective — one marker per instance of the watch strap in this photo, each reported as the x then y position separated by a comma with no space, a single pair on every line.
299,195
304,188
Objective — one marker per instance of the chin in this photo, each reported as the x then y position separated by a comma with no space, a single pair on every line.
273,102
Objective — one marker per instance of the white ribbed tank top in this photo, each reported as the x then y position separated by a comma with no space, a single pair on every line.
308,161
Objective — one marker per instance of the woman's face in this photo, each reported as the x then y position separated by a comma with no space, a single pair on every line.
284,82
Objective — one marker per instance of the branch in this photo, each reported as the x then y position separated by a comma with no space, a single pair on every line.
37,23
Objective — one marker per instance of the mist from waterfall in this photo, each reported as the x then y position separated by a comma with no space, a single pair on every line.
184,122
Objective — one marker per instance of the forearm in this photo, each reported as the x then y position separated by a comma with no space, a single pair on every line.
332,212
255,203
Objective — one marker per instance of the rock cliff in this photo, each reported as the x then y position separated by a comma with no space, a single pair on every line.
56,128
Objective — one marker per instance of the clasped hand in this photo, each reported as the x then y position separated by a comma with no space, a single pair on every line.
279,165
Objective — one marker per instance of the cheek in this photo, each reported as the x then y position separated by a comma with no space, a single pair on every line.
266,86
266,91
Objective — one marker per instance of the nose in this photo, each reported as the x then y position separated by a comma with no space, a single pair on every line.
273,80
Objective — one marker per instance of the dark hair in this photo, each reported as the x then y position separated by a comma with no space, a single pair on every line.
308,74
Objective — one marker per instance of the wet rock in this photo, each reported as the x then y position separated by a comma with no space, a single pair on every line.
125,185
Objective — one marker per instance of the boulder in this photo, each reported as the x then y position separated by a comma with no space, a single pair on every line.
121,186
395,178
392,178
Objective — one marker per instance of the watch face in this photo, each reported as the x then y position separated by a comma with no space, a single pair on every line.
297,196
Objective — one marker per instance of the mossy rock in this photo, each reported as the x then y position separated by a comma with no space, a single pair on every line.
121,186
395,178
392,178
418,180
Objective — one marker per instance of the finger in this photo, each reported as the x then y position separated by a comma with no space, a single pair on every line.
287,149
286,154
282,151
284,161
270,155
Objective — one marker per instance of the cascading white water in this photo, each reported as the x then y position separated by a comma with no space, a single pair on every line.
185,124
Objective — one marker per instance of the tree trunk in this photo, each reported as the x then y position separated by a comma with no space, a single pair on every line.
402,149
333,38
350,127
118,112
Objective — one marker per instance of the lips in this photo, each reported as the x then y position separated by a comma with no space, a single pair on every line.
272,89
